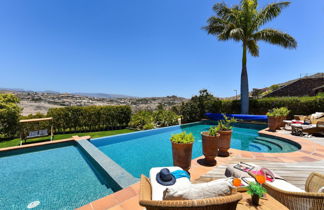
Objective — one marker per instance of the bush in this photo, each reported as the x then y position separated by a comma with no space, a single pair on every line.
278,112
142,120
145,119
182,138
9,115
89,118
165,118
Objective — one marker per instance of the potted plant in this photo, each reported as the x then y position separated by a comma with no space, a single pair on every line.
256,190
276,117
283,113
182,149
210,141
224,128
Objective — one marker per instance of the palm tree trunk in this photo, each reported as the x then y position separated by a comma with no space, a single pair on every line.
244,84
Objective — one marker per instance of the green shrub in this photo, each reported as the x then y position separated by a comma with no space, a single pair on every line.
278,112
143,119
182,138
89,118
165,117
9,115
146,119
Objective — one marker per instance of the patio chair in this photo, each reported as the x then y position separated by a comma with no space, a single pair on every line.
310,199
223,202
317,128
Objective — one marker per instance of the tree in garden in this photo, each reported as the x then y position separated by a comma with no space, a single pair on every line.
242,23
9,115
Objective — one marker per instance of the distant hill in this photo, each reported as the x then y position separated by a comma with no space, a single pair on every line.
103,95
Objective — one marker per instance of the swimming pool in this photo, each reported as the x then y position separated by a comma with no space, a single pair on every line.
59,176
138,152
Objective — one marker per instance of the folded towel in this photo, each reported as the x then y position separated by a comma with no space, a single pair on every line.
180,173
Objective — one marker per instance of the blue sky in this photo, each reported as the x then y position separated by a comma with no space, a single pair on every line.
145,47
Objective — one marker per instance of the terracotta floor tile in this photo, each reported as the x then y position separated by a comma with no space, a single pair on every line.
125,194
118,207
104,203
132,204
86,207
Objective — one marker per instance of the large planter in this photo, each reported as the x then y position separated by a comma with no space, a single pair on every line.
182,155
224,143
273,123
281,122
210,148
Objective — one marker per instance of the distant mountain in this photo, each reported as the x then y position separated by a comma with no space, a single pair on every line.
103,95
95,95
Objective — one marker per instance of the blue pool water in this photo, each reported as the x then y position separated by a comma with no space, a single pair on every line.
138,152
57,178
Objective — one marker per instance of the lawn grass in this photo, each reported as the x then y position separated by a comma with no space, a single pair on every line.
16,142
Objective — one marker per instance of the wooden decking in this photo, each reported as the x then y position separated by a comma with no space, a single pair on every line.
295,173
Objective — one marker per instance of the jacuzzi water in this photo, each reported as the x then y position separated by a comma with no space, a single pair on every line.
51,178
138,152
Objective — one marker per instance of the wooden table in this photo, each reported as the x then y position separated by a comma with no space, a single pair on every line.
266,203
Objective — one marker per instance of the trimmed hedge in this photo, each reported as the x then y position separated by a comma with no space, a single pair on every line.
89,118
297,105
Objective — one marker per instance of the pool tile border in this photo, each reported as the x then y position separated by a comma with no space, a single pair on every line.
126,199
74,138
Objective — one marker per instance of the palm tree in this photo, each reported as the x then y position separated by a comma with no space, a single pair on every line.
242,23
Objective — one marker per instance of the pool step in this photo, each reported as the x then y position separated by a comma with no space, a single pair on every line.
284,146
273,146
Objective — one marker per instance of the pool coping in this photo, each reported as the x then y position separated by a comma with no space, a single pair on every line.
74,138
127,198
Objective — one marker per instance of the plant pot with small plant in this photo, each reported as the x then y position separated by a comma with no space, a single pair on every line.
182,149
256,190
276,117
210,140
224,128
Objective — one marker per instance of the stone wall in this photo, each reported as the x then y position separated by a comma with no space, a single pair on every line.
301,87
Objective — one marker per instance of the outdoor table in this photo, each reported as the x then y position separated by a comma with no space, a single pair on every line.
266,203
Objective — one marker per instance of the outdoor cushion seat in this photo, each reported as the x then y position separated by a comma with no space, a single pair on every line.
280,184
157,188
228,202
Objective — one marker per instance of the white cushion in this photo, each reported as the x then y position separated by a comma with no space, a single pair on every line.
158,189
211,189
281,184
321,190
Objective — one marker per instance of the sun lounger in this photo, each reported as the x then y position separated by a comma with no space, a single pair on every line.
300,129
286,193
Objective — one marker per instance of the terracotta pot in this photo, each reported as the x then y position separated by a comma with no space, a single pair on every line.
281,123
210,148
182,155
273,123
255,200
224,143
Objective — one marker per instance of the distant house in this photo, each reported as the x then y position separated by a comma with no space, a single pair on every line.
300,87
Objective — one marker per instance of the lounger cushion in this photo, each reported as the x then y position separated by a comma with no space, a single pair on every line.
321,190
280,184
211,189
158,189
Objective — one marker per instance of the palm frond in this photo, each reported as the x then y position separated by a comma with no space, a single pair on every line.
221,10
269,12
237,34
215,25
275,37
253,47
